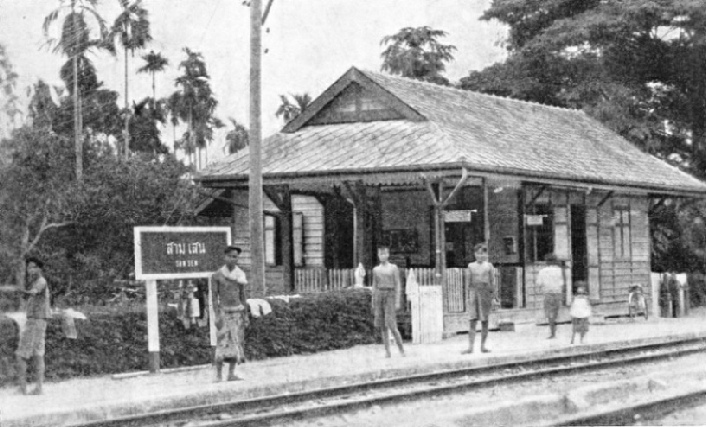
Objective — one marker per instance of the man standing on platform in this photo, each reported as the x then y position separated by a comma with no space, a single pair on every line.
481,296
387,294
229,306
551,281
32,340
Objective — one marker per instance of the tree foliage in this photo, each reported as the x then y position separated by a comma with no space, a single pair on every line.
417,53
237,138
635,65
638,66
194,103
289,110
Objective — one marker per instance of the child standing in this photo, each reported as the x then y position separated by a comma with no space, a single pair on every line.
580,312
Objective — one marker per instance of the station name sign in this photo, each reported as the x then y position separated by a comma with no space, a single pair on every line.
179,252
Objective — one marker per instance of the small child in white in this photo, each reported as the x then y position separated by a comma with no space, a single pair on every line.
580,312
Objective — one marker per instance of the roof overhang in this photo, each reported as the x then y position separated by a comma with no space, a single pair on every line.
410,175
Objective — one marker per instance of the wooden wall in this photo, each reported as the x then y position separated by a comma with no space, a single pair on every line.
409,210
313,235
504,219
619,273
610,273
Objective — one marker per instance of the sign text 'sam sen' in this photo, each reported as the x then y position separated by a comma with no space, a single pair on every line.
179,252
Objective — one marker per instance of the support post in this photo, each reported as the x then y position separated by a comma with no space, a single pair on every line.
152,325
211,315
486,214
257,245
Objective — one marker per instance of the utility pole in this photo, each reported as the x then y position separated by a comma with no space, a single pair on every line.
257,245
78,131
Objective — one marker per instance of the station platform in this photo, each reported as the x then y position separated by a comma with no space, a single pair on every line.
80,400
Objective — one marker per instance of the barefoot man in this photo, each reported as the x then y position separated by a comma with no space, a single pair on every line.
32,340
482,296
229,305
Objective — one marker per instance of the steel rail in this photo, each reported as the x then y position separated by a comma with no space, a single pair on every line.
266,407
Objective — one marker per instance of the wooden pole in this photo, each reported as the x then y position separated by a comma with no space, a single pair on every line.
257,245
78,131
152,325
126,131
211,315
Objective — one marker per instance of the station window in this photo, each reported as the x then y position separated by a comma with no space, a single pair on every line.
539,237
273,253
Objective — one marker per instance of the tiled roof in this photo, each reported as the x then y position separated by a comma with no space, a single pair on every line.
484,132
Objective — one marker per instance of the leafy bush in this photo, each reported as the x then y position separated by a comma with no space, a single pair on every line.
110,344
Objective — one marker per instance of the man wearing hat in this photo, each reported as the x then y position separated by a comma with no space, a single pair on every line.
229,306
550,280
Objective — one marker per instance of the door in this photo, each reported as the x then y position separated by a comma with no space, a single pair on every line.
578,245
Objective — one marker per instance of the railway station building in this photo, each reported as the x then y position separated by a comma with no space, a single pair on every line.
431,171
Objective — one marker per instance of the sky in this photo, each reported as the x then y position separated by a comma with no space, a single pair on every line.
309,44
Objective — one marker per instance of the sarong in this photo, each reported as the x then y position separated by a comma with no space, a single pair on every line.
32,339
231,336
480,301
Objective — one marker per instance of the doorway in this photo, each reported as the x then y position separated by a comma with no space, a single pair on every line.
579,250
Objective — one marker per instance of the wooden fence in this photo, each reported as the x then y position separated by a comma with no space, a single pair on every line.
313,280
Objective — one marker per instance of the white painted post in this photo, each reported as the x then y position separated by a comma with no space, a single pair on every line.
655,281
152,325
211,314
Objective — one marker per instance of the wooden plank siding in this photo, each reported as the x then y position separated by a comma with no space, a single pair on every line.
313,223
312,215
619,273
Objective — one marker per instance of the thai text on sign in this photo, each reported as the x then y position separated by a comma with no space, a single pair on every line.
179,252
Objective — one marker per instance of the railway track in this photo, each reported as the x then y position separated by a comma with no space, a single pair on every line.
277,409
632,414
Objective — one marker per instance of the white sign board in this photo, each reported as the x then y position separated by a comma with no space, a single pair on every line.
457,216
534,220
163,253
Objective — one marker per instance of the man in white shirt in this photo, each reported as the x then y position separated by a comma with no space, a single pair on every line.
551,281
229,306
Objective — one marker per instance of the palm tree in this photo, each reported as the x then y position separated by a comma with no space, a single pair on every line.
237,138
416,53
194,104
132,28
8,83
154,63
74,41
288,110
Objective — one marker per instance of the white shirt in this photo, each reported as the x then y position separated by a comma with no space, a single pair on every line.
550,279
235,274
580,308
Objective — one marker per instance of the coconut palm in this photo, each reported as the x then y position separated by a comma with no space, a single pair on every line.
289,110
132,30
76,37
8,82
237,138
154,63
194,104
417,53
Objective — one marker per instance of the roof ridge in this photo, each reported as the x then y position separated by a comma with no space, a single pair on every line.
468,91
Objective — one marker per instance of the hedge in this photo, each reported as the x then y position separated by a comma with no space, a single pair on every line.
110,344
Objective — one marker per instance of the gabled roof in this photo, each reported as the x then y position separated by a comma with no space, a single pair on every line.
447,127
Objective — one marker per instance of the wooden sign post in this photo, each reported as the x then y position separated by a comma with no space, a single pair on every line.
168,253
